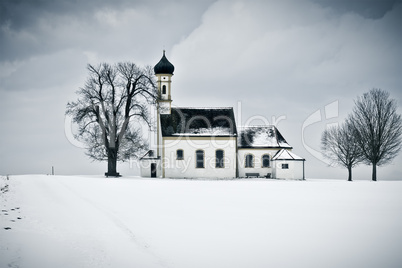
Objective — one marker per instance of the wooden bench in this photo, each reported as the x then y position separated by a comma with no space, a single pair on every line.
248,175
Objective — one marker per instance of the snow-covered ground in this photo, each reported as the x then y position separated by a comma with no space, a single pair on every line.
71,221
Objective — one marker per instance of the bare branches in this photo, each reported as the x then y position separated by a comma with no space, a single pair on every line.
377,127
111,98
340,146
371,134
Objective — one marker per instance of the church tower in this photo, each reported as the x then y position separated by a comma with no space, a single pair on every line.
164,72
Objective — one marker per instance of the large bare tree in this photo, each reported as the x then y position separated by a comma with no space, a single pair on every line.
340,146
111,99
377,127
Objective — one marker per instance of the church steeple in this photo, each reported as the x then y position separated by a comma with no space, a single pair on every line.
164,66
164,72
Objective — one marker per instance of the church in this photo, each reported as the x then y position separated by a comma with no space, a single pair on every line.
205,142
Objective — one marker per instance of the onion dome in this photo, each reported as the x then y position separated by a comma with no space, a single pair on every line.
164,66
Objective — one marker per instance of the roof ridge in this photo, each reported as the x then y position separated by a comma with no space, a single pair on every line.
250,126
199,108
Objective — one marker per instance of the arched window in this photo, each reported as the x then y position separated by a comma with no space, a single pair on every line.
164,89
219,159
249,161
199,155
265,161
179,154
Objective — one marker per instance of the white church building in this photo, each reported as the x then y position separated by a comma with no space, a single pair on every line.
206,142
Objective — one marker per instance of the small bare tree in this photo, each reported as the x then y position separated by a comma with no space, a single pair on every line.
113,96
377,127
339,145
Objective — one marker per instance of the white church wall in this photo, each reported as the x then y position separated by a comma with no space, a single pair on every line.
294,170
257,155
186,168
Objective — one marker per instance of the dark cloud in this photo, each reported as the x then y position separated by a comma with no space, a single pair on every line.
30,27
373,9
18,14
26,16
38,27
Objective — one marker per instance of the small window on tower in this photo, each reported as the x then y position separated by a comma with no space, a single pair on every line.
164,89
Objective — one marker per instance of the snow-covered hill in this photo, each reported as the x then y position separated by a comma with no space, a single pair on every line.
66,221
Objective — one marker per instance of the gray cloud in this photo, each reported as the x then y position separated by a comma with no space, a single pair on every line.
372,9
39,27
290,54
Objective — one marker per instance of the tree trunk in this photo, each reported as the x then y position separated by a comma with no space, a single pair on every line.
374,174
112,163
350,174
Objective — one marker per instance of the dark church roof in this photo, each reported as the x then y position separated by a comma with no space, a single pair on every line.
199,122
261,137
164,66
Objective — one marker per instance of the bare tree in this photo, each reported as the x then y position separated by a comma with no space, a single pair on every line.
340,146
112,98
377,127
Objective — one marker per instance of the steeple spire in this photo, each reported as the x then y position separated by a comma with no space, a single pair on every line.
164,72
164,66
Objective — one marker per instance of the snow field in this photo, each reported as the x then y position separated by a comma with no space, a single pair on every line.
72,221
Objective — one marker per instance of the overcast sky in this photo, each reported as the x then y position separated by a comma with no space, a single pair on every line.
271,60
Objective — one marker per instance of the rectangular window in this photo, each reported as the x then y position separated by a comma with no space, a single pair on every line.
199,154
285,166
265,161
249,161
179,154
219,159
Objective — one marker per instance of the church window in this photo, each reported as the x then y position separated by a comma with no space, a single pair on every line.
164,89
199,154
249,161
179,154
219,159
265,161
285,166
